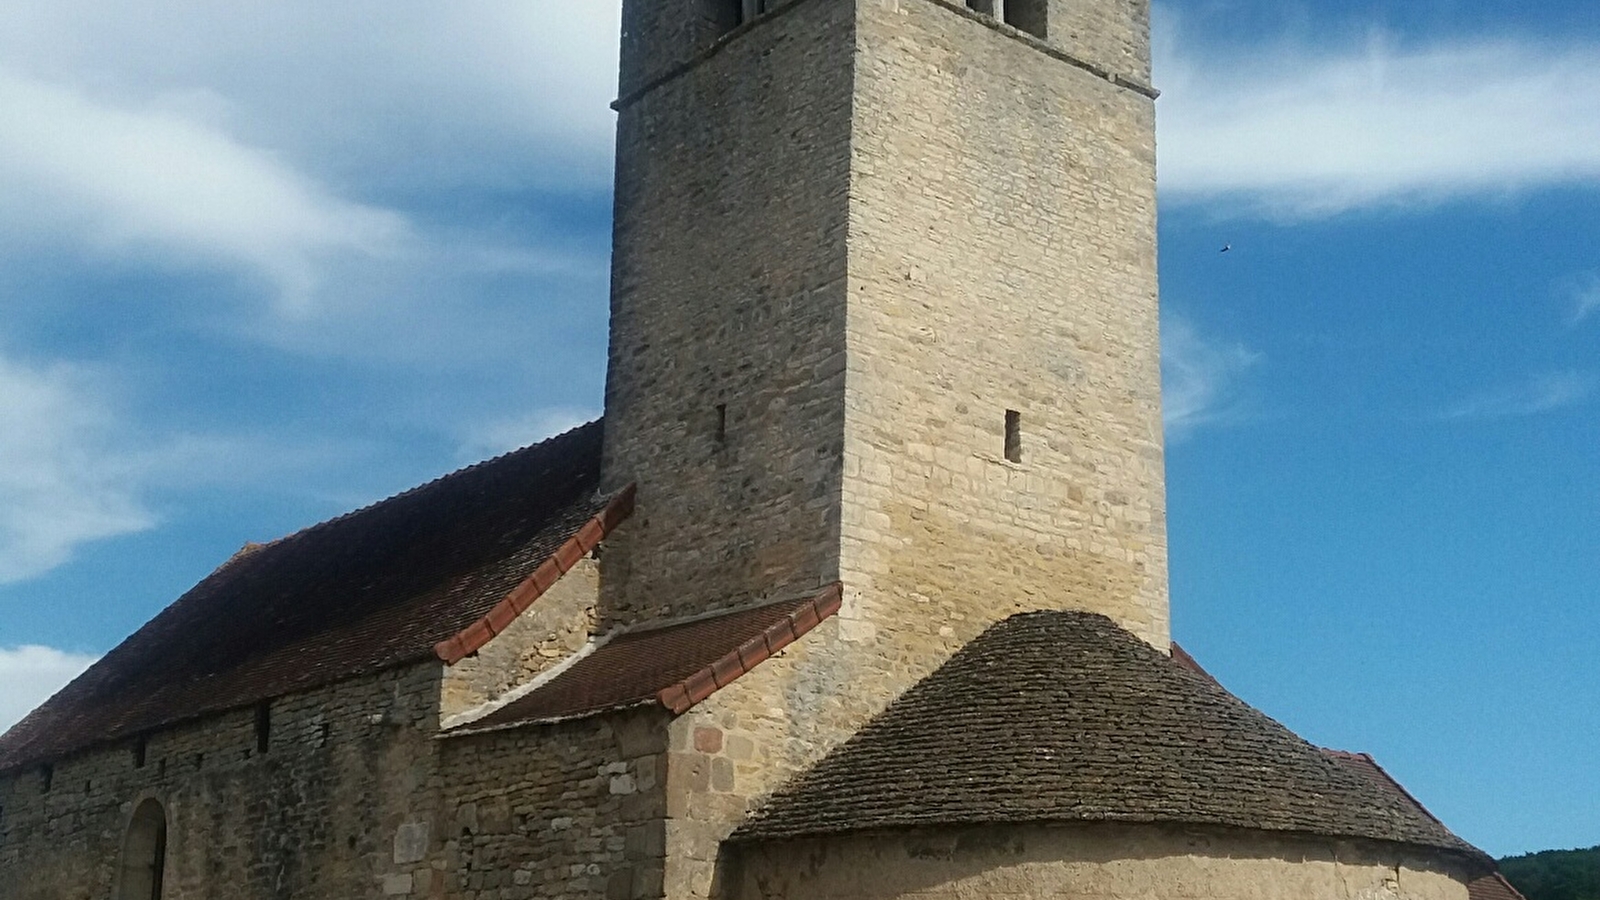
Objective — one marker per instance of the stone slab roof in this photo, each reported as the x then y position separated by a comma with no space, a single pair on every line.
1064,717
676,665
370,590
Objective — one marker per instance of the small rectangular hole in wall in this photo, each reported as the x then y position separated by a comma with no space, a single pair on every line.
746,10
47,776
721,430
1024,15
139,748
1027,15
1013,436
263,725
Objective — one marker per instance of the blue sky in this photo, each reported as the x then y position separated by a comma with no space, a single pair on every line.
260,264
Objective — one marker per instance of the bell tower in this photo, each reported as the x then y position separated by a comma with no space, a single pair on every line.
884,312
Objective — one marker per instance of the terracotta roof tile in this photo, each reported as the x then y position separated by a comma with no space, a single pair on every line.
1493,886
676,665
355,595
1063,716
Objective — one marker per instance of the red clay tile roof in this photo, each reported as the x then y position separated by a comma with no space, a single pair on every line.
1064,717
473,638
676,665
1182,658
368,591
1367,767
1493,886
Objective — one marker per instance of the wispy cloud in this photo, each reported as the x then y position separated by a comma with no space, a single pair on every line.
1541,394
1585,297
503,435
1307,132
501,91
78,466
149,179
1200,377
63,481
30,674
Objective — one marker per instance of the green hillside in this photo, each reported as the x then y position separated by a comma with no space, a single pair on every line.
1555,874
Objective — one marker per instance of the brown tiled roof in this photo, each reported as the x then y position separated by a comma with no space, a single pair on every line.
1062,717
361,593
1182,658
1364,765
1493,886
675,665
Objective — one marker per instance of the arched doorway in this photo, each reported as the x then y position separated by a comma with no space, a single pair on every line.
144,853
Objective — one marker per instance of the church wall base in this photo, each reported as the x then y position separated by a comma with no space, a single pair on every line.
1091,862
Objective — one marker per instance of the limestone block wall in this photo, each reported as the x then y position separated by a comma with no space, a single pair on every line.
566,810
557,625
725,389
729,753
1002,258
1106,862
337,806
1112,34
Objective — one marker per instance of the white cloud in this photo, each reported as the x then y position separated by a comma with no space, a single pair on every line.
63,482
133,180
401,92
1586,297
77,467
1199,377
504,435
1311,132
1541,394
30,674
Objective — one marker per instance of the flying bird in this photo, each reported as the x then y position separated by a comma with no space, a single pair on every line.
1225,248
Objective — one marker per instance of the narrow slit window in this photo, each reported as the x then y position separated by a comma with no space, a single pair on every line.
721,430
47,777
263,726
139,750
745,10
1013,436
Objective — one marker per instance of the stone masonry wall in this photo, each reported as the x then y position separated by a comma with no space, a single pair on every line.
338,805
1001,255
725,391
1002,251
557,625
569,810
729,753
1106,862
1112,34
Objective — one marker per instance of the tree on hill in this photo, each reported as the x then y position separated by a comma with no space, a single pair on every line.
1555,874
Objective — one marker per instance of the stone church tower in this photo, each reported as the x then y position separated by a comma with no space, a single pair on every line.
884,312
858,591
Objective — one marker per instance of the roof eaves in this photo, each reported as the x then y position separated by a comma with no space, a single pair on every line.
1182,658
1399,788
1510,888
475,636
679,698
